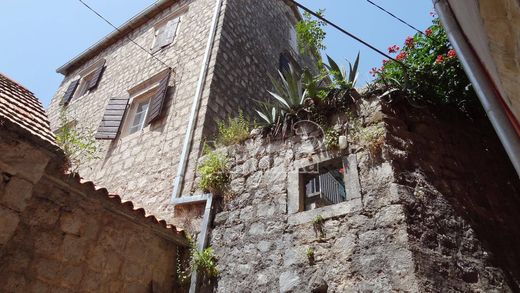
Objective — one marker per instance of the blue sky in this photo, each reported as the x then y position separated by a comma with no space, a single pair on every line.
40,36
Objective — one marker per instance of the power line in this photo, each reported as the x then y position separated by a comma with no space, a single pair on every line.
396,17
117,29
347,33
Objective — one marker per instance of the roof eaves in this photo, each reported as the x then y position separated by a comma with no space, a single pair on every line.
116,35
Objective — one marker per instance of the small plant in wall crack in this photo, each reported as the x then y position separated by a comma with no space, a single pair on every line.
317,224
204,262
214,173
78,144
331,140
234,130
309,252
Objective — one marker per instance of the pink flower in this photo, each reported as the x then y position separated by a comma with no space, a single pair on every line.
341,171
451,53
432,13
428,32
393,49
409,42
385,61
439,59
401,56
374,71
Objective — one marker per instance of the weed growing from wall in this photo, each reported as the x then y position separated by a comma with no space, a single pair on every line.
234,130
78,144
214,173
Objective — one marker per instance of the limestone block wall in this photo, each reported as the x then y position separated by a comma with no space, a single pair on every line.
463,198
59,235
405,232
249,39
142,166
252,37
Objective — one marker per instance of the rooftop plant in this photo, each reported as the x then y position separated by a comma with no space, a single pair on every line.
432,72
234,130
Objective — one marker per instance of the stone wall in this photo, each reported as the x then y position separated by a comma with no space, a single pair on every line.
402,235
463,198
142,166
61,235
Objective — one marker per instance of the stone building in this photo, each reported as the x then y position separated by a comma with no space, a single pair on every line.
430,207
143,103
59,233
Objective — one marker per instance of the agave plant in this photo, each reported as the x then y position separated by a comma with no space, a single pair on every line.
314,85
289,91
339,75
269,113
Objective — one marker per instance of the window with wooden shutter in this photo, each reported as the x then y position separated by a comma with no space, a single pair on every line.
165,34
112,118
96,76
157,100
70,92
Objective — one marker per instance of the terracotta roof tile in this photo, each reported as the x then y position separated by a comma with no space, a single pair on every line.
21,107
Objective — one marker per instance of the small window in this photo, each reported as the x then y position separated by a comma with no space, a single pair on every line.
139,106
324,184
83,86
139,115
286,61
146,103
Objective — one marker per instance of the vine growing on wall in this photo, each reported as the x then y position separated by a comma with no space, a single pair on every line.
78,143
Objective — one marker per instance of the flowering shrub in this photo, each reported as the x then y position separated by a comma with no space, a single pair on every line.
434,75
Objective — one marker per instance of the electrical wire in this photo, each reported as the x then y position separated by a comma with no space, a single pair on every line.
117,29
347,33
396,17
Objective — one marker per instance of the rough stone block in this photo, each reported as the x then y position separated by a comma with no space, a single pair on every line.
16,193
9,222
288,281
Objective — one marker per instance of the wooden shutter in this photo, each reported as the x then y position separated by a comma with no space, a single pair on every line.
96,76
160,35
112,119
70,92
171,30
157,100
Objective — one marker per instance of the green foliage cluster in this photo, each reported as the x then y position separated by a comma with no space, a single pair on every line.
309,252
310,34
331,140
214,173
204,262
306,96
78,144
317,224
433,73
234,130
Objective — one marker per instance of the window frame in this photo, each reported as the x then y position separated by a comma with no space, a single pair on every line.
139,93
135,100
296,184
85,76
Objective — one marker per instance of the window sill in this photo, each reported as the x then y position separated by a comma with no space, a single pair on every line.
327,212
136,134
